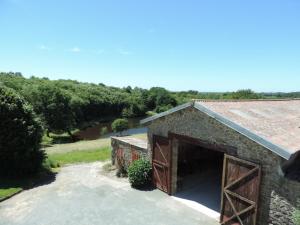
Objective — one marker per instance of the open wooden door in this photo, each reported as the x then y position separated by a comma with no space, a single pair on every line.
161,163
240,191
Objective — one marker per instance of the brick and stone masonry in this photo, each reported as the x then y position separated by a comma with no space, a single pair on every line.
127,149
278,195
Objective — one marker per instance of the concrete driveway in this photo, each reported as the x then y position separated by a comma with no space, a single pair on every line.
82,195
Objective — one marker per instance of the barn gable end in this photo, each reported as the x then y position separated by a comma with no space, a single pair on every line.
278,195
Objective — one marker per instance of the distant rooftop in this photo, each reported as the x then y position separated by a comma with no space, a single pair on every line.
272,123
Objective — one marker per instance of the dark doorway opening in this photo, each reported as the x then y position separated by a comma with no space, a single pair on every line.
199,175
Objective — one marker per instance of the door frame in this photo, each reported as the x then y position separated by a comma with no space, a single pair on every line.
172,137
230,150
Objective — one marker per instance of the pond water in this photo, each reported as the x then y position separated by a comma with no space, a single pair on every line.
94,132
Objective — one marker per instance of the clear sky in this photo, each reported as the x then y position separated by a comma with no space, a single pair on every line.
205,45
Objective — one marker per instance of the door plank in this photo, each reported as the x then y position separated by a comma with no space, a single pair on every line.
240,191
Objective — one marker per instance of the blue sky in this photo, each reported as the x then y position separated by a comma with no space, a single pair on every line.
181,45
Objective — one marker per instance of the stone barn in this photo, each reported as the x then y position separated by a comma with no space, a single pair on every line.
238,158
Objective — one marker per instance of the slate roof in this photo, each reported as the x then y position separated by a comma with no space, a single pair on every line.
275,124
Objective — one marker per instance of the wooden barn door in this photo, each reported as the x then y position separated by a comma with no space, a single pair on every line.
240,191
161,163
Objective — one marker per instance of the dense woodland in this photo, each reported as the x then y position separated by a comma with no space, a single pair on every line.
63,105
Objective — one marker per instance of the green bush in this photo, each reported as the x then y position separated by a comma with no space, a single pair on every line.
297,217
20,136
139,173
50,163
120,125
163,108
150,113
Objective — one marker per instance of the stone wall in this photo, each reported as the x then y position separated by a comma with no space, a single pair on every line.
127,149
277,194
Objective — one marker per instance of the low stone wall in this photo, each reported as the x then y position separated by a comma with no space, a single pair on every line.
127,149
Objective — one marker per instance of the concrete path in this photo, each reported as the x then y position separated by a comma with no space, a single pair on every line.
82,195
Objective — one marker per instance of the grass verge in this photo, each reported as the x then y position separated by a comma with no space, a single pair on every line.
100,154
11,186
7,192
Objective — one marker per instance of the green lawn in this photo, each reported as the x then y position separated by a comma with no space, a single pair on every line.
100,154
85,145
6,192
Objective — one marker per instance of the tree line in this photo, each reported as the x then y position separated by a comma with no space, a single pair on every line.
63,105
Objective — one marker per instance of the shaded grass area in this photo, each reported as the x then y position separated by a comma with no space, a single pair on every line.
81,156
59,138
11,186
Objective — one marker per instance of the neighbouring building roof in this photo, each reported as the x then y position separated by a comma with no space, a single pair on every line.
275,124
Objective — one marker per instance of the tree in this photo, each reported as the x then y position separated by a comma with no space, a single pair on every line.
245,94
159,97
53,105
119,125
20,135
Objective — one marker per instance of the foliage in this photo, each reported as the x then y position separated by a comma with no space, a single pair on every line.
50,164
297,217
20,136
101,154
61,138
67,104
164,108
159,99
244,94
103,131
139,173
150,113
53,106
119,125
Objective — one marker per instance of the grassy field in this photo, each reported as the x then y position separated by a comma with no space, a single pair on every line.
85,145
81,156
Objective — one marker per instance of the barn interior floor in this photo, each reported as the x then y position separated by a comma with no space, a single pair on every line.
202,191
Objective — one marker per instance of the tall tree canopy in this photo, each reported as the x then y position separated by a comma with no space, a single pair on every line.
20,135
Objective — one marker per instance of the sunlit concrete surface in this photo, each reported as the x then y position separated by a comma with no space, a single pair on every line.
82,195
